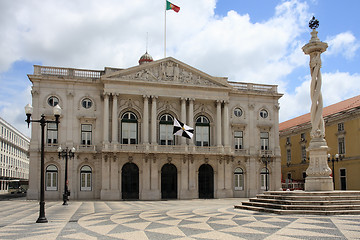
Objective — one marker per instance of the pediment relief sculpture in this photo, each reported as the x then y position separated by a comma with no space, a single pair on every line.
170,72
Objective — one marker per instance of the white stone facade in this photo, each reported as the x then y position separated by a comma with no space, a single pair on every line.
119,120
14,155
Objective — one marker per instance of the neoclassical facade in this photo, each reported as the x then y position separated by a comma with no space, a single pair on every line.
120,122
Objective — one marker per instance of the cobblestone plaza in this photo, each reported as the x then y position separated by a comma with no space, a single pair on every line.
176,219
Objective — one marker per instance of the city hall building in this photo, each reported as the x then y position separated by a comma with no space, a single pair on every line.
120,121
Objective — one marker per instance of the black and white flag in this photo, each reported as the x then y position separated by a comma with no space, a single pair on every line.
182,130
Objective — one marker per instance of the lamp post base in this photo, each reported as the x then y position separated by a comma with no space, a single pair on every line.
41,220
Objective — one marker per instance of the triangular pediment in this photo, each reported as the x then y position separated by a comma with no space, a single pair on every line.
167,71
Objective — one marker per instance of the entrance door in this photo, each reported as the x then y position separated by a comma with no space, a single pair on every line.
130,181
343,179
206,181
169,181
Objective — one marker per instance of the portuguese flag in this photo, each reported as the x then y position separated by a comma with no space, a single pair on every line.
170,6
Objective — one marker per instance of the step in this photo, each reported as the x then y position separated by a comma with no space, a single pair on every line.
306,202
302,212
303,207
313,193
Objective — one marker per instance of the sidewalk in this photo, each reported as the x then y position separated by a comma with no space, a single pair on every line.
177,219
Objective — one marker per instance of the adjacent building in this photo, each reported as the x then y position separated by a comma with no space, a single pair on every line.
120,121
14,155
342,133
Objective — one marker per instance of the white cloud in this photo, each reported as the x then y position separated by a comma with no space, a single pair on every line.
13,111
343,43
336,87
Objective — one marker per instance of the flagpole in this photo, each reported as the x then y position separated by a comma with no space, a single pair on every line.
165,32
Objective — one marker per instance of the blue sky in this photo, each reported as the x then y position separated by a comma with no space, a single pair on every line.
247,41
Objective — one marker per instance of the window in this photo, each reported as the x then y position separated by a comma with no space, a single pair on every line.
239,179
51,178
85,178
202,131
86,132
166,130
303,153
264,178
289,176
264,138
288,156
53,101
238,137
340,127
341,144
129,128
264,113
86,103
302,137
52,133
237,112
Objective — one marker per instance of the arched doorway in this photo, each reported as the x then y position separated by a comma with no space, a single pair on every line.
130,181
169,181
206,181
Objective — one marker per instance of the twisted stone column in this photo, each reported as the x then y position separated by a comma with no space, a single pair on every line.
318,173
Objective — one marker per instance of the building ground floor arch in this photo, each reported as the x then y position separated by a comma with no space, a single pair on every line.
206,181
124,176
169,184
130,181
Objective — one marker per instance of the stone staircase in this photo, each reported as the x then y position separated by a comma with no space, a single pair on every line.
301,202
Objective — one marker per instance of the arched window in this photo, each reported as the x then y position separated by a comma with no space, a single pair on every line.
202,131
264,178
239,179
129,128
166,130
51,178
85,178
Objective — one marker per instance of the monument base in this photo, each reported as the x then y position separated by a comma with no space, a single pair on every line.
319,184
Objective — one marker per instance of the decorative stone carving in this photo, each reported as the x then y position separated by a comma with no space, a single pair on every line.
170,72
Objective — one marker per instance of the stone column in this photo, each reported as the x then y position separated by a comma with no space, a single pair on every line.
153,120
114,120
105,178
145,128
226,124
220,192
318,173
114,179
191,116
106,118
183,118
218,123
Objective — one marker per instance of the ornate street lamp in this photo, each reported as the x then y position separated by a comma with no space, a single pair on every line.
43,122
266,160
334,159
66,153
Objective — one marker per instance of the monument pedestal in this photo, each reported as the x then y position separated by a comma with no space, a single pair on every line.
318,173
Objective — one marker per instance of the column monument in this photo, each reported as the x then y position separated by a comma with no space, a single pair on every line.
318,173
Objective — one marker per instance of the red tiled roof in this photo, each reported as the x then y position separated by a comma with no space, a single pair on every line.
329,110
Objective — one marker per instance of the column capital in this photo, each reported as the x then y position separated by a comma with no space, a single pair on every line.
106,94
183,98
154,96
146,96
191,99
